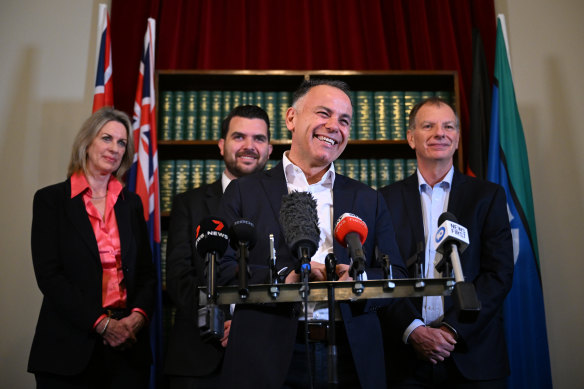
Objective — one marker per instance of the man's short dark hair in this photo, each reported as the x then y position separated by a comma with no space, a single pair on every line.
309,84
436,101
248,112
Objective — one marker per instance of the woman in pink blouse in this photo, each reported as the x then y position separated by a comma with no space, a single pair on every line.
93,265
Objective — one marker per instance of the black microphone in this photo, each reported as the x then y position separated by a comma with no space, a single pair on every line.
211,241
242,238
450,240
299,221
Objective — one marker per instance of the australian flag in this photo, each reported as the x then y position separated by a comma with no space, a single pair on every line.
143,179
103,95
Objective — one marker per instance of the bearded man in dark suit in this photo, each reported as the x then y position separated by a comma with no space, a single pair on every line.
244,145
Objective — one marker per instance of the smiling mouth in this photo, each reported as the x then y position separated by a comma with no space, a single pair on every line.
330,141
248,156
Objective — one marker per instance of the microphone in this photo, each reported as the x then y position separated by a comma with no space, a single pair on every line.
351,231
450,240
211,236
242,238
211,241
299,221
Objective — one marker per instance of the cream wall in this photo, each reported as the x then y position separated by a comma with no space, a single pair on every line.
46,77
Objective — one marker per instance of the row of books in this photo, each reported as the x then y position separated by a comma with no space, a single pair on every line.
177,176
197,114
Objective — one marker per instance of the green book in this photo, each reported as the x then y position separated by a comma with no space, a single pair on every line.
182,181
257,99
166,172
204,127
166,115
399,169
426,95
197,173
179,115
384,172
354,127
411,166
284,100
340,166
399,122
446,96
227,104
382,107
352,168
270,106
411,98
212,170
271,163
191,115
216,112
373,181
364,171
365,116
236,99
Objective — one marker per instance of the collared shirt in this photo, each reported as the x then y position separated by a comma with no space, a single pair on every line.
114,294
322,192
434,201
224,181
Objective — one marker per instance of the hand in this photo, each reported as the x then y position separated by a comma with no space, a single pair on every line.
343,272
226,328
317,273
122,333
432,344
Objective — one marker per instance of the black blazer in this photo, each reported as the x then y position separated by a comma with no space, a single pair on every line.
480,206
69,274
262,337
187,354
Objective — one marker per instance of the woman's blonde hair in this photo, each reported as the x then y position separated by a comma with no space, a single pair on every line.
87,134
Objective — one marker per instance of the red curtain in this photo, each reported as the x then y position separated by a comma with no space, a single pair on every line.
303,35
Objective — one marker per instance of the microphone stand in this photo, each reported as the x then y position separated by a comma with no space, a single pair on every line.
304,255
211,317
243,254
331,265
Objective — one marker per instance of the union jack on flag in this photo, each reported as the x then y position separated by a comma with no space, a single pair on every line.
143,179
103,94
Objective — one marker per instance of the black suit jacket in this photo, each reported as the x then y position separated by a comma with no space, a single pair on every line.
69,274
262,337
480,206
187,354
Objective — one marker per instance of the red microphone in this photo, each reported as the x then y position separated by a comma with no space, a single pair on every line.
351,231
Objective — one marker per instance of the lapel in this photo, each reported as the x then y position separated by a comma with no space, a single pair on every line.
274,185
77,214
413,207
343,201
122,211
213,194
456,193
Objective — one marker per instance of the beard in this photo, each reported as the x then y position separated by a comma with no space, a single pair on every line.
240,170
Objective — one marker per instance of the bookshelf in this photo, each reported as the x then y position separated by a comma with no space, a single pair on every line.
210,94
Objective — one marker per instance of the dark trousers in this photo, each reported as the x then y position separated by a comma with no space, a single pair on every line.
210,381
107,369
318,353
444,375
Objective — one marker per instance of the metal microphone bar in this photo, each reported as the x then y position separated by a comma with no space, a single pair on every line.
344,291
